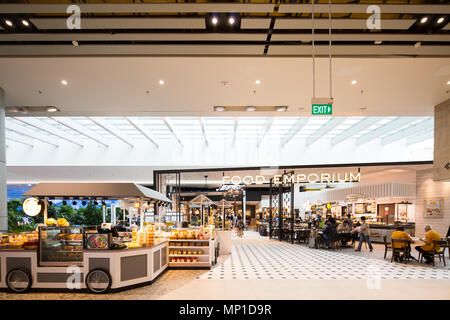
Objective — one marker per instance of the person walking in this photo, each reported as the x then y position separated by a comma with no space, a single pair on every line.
240,226
364,233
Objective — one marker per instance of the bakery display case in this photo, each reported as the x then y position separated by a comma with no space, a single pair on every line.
60,246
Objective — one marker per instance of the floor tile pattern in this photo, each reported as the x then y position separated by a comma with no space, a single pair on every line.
254,257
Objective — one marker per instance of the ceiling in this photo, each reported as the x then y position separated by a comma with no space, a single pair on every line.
129,86
212,130
262,28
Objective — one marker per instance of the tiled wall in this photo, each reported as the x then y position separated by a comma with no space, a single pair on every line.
427,188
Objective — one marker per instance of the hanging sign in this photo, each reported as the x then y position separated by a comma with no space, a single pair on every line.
32,206
322,109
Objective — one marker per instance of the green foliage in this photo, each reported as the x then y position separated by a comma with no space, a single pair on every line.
16,217
87,216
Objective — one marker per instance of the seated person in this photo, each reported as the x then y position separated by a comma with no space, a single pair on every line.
343,226
329,233
400,233
428,247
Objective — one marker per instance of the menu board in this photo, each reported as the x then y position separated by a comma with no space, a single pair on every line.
359,208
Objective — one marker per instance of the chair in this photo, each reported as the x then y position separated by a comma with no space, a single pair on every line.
387,246
397,251
448,240
443,244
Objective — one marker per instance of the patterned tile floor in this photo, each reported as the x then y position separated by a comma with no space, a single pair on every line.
260,260
254,257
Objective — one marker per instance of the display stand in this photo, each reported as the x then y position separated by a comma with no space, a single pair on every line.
183,249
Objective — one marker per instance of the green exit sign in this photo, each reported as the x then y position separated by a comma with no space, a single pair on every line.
322,109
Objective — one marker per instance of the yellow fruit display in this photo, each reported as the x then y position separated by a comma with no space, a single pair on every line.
50,222
61,222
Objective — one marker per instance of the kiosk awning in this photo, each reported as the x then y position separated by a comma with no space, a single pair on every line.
96,190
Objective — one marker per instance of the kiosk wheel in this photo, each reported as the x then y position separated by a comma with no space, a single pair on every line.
18,280
98,281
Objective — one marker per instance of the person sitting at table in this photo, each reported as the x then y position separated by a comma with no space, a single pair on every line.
343,227
329,233
429,245
400,233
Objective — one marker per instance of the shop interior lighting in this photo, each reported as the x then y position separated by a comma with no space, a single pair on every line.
424,20
231,20
250,108
440,20
75,43
281,108
448,82
378,42
417,44
64,82
257,81
9,23
161,82
219,109
25,23
354,82
215,20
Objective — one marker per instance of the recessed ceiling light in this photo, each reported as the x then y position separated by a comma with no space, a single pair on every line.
440,20
281,108
231,20
161,82
417,44
25,23
75,43
424,19
378,42
448,82
214,20
354,82
64,82
258,81
250,108
9,23
52,109
219,109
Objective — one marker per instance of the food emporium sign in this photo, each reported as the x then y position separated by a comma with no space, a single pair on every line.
32,206
298,178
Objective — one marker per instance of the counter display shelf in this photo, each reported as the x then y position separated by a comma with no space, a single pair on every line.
191,253
378,231
99,270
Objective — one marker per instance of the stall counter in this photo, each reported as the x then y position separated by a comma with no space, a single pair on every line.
124,268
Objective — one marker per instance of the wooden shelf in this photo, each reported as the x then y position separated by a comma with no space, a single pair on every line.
188,255
190,247
189,264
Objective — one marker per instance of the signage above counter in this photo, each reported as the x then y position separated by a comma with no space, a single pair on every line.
322,177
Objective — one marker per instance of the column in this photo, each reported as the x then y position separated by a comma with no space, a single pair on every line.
441,166
3,199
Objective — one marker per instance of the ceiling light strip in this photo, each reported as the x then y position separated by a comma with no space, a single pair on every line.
362,8
140,7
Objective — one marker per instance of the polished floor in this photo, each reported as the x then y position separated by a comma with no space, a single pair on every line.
259,268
